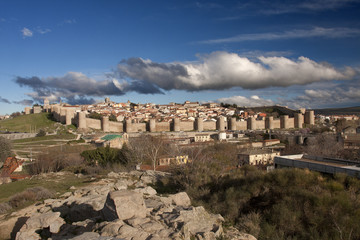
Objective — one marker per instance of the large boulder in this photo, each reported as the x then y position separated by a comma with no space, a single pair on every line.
194,221
181,199
124,205
146,191
51,220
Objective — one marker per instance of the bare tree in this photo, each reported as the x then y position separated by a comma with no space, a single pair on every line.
5,149
324,145
148,148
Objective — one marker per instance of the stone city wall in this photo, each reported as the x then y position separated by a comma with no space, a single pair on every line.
276,124
68,115
116,126
187,126
138,127
241,125
209,125
93,123
162,126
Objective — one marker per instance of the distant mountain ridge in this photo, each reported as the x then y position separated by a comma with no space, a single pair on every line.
282,110
338,111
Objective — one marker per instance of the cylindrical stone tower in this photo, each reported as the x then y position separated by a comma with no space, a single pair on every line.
299,120
176,125
269,122
105,123
69,116
152,125
251,123
81,120
309,117
128,125
57,113
232,124
62,115
199,124
220,124
284,121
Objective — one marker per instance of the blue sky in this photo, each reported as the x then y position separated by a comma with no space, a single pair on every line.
293,53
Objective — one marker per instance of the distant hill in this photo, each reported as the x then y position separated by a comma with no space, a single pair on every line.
280,110
338,111
273,110
28,123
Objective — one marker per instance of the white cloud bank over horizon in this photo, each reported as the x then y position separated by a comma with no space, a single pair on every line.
224,70
215,71
241,101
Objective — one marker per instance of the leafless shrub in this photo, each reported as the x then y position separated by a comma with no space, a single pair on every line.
29,195
4,207
54,162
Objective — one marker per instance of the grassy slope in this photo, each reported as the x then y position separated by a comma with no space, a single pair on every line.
24,123
56,184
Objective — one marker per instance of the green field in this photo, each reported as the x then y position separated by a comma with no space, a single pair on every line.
29,123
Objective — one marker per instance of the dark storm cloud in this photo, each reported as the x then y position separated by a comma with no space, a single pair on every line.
165,75
26,102
74,87
4,100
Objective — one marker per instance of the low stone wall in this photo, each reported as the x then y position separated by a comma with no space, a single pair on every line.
14,136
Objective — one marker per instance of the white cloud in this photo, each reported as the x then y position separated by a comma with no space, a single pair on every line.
293,34
27,32
223,70
307,6
67,21
333,95
43,30
253,101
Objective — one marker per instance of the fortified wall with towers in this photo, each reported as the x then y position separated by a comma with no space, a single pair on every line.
74,115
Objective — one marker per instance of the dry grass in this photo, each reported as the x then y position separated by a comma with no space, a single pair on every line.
29,195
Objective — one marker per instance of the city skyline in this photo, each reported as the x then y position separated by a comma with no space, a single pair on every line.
252,53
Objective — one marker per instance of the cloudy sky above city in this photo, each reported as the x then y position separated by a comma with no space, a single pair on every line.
251,53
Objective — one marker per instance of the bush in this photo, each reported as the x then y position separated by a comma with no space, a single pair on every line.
4,207
106,156
283,204
5,149
41,133
29,195
112,118
95,115
53,161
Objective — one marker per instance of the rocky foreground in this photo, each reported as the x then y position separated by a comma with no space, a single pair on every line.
121,206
